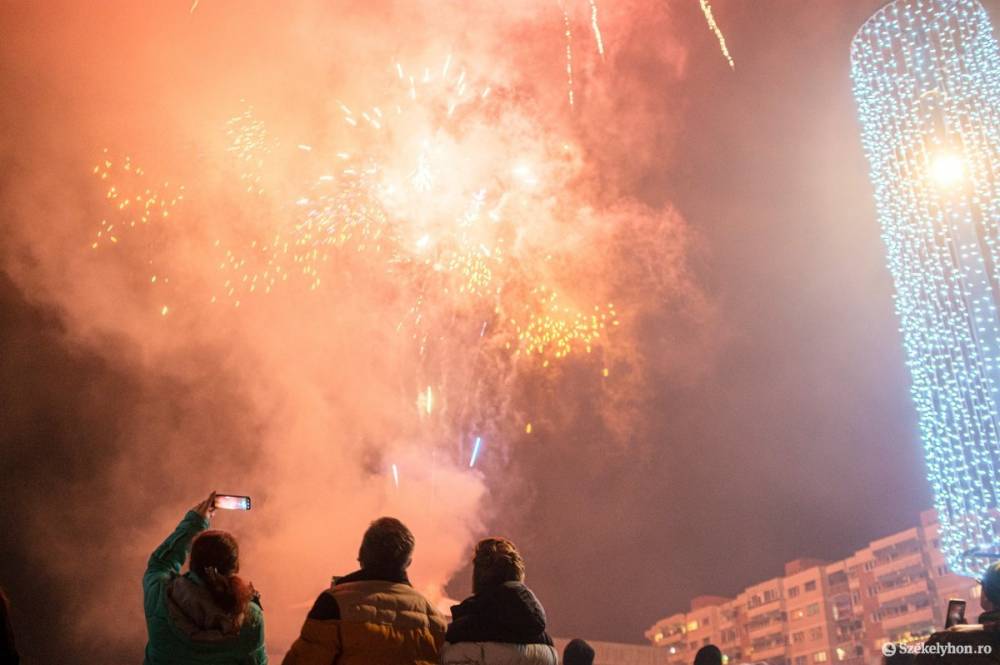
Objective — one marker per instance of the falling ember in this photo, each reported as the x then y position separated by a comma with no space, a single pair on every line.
194,6
395,476
569,55
707,11
596,28
527,428
475,451
429,400
164,311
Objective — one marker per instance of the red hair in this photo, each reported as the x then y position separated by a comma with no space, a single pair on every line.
215,558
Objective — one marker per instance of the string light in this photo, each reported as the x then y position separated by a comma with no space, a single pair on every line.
927,83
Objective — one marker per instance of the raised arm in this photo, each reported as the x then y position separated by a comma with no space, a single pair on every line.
168,558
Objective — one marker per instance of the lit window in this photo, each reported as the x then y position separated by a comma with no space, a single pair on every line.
841,654
692,625
819,657
658,637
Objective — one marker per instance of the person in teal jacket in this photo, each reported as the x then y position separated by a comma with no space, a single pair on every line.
208,615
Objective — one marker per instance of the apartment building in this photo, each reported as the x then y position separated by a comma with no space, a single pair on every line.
894,590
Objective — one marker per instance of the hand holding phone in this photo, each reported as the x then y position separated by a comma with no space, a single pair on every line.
206,507
956,613
232,502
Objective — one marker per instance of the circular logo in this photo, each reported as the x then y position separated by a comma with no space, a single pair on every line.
888,649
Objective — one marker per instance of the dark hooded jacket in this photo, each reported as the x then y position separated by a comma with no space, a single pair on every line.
503,625
508,612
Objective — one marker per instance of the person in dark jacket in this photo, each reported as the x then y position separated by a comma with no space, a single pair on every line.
578,652
977,636
502,622
708,655
208,615
373,615
8,650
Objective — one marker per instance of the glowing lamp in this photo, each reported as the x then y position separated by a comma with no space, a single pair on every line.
947,169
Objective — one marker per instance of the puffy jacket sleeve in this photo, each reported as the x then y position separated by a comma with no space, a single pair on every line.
319,641
438,627
167,559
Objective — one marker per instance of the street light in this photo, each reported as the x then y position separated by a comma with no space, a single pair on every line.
947,169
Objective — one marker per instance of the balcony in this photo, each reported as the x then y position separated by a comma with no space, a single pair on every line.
921,616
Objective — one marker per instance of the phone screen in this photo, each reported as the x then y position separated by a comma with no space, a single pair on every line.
956,613
232,502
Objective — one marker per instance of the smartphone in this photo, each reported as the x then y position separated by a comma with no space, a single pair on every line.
232,502
956,613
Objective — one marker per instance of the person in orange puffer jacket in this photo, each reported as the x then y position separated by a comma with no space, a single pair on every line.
373,615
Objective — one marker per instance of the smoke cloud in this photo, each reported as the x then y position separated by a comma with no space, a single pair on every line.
309,327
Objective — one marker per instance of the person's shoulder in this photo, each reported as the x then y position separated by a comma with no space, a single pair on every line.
522,593
420,600
408,598
519,588
326,607
962,637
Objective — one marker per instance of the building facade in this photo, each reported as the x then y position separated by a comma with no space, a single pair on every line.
894,590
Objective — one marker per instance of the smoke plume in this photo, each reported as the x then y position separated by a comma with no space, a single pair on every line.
321,249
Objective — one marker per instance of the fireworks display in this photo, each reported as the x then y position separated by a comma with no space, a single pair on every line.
410,201
418,192
368,269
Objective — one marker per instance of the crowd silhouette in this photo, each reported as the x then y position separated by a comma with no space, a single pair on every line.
209,615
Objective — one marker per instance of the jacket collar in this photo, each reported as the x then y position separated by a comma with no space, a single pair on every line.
373,575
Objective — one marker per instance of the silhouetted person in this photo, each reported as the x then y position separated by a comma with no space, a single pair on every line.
208,615
372,615
984,633
578,652
8,650
708,655
502,622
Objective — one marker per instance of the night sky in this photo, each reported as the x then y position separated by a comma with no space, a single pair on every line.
778,421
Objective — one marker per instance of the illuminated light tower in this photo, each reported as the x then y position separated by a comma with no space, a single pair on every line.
927,83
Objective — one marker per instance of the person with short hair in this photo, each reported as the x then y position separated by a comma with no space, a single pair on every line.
984,633
372,615
578,652
208,615
708,655
502,622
